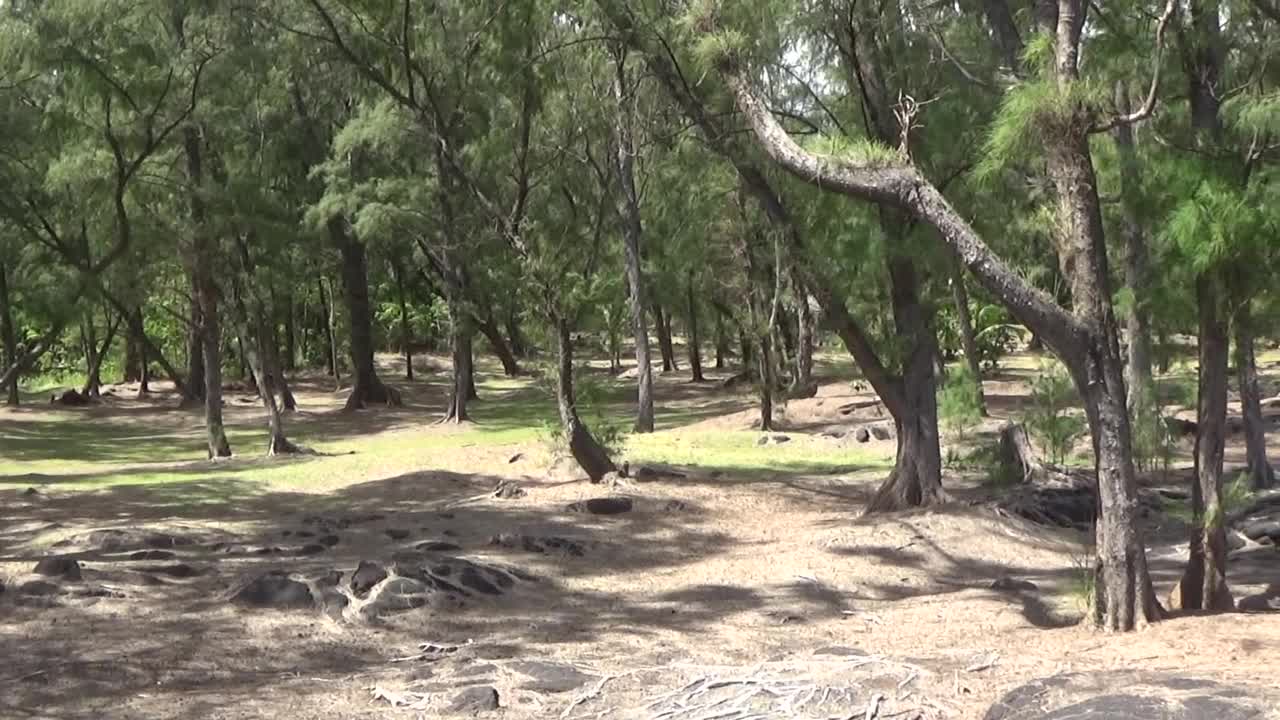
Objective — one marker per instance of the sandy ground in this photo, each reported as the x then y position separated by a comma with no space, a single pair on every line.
745,575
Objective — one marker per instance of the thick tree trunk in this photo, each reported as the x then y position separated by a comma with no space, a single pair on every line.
694,340
662,324
510,366
368,387
590,455
133,349
916,479
8,339
1261,474
960,295
628,201
1204,583
406,341
1137,316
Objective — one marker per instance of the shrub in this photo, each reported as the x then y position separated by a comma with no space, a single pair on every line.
958,407
1050,419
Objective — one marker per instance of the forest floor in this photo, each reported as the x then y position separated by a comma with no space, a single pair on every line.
743,581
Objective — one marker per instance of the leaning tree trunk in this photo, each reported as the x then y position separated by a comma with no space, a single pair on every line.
1204,582
254,336
960,295
590,455
695,341
8,338
1137,316
489,328
368,387
1261,475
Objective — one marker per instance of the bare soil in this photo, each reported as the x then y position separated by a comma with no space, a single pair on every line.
771,583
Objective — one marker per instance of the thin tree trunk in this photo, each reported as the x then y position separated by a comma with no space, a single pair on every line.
590,455
406,342
329,316
1137,315
195,352
519,346
269,348
628,201
8,338
804,385
368,387
662,325
722,342
96,356
695,340
1261,474
960,295
461,387
89,348
290,333
254,336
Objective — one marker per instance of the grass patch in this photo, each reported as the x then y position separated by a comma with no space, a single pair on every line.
737,450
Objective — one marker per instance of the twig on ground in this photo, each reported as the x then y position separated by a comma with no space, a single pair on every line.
873,707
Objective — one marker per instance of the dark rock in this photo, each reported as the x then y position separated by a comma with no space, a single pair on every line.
100,592
312,549
304,533
773,440
275,590
148,580
645,472
177,570
165,540
329,579
397,533
366,576
515,458
1257,529
508,490
862,435
1008,584
400,593
449,533
475,700
39,588
550,677
152,555
530,543
436,546
30,492
675,506
476,670
1264,602
1112,707
328,540
70,398
62,567
445,516
1180,428
881,432
1122,695
268,551
603,506
472,578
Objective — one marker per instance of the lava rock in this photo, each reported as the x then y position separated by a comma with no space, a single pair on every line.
312,549
397,533
541,545
70,398
328,540
61,567
275,590
550,677
152,555
881,432
475,700
508,490
1258,529
603,506
366,576
177,570
38,588
1008,584
862,435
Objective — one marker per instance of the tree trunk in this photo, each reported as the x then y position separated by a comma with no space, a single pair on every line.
134,353
510,366
722,342
462,383
1261,475
1137,315
195,352
406,342
662,325
519,346
269,349
695,340
1204,583
960,295
206,299
368,387
290,333
329,316
95,355
916,479
804,385
254,337
586,450
628,201
8,339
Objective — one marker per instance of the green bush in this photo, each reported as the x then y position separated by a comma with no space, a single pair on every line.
959,408
1050,419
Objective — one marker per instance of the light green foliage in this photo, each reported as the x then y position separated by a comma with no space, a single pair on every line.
1051,418
859,151
1237,495
958,408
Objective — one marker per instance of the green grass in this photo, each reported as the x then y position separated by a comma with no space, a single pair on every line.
738,450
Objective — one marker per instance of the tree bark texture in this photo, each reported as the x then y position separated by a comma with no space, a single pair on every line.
1261,474
590,455
368,387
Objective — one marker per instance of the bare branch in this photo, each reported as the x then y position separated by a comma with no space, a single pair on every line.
1148,106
